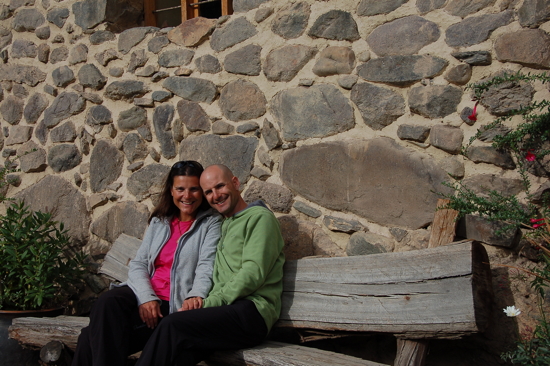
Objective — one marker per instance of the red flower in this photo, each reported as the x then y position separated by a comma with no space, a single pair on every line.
536,220
530,156
473,116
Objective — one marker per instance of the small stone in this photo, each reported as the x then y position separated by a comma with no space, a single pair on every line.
306,82
260,173
158,76
453,166
161,95
183,71
147,71
447,138
368,243
175,58
474,58
245,61
306,209
23,48
247,127
43,52
58,16
58,39
135,166
20,91
50,90
232,33
92,97
131,119
262,14
59,54
106,56
459,75
467,111
488,154
116,71
78,54
222,128
208,64
413,132
342,225
291,21
64,133
144,102
336,25
89,76
347,81
101,36
43,32
154,154
156,44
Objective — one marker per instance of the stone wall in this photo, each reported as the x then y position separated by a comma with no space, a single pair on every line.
344,116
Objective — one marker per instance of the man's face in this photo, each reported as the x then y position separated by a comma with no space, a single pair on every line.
221,191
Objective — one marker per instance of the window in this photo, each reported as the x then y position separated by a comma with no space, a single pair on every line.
169,13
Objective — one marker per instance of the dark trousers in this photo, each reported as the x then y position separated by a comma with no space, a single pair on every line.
115,331
184,338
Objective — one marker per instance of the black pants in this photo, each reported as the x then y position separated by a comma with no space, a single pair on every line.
115,331
183,338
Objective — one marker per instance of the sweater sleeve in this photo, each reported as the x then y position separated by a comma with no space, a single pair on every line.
262,246
205,265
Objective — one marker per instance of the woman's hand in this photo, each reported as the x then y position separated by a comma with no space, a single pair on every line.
150,313
191,303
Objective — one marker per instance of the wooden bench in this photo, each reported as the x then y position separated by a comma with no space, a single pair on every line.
442,292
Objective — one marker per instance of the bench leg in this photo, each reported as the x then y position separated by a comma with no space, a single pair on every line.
411,352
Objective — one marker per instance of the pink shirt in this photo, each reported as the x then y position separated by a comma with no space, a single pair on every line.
163,262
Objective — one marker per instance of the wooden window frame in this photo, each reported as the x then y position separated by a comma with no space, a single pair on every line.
189,10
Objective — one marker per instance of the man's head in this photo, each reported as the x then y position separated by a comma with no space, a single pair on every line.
221,189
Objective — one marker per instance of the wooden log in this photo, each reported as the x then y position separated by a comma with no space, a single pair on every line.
37,332
411,353
444,225
282,354
116,261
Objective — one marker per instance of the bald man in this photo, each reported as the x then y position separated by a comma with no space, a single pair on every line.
245,300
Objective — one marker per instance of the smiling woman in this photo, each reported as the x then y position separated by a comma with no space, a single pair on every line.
170,13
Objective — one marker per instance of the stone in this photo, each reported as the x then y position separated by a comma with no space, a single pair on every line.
462,8
236,152
134,148
401,70
459,75
106,56
193,116
247,127
271,135
453,166
335,60
533,13
5,12
162,122
466,112
192,32
105,165
488,134
222,128
474,30
32,158
137,59
131,119
485,231
125,90
161,95
19,135
425,6
245,61
116,71
78,54
89,13
489,155
318,111
413,132
64,133
304,239
232,33
27,20
336,25
434,101
447,138
59,54
64,106
147,71
474,58
374,7
306,209
148,181
157,43
291,21
128,218
4,56
5,37
30,75
92,97
246,5
132,37
42,33
242,100
262,14
524,47
63,76
121,15
175,58
89,76
334,223
158,76
482,184
260,173
376,179
502,99
144,102
63,157
58,16
379,106
284,63
55,192
539,195
277,197
208,64
58,39
265,158
135,166
193,89
11,109
22,48
362,243
36,104
398,233
101,36
403,36
145,132
98,115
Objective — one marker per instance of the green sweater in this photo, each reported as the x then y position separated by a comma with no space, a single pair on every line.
249,262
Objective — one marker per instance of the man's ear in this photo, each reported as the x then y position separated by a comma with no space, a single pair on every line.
236,183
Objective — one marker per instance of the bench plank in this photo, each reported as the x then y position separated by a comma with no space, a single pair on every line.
116,261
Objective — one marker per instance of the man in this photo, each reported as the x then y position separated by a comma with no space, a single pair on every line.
245,300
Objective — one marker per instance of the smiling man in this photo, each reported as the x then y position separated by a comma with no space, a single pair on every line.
245,300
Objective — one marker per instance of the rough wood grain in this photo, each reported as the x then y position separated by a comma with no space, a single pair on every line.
117,259
37,332
444,225
281,354
411,353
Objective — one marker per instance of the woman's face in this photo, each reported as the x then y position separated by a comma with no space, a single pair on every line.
187,195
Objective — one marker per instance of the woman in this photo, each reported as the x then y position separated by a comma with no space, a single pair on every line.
172,271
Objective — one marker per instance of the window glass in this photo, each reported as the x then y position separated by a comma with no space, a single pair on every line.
168,13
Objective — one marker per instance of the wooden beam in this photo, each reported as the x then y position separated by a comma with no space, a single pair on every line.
444,225
149,8
227,7
411,353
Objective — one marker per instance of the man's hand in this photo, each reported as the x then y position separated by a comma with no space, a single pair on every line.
150,313
191,303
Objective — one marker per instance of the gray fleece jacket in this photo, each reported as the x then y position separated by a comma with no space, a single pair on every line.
191,273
